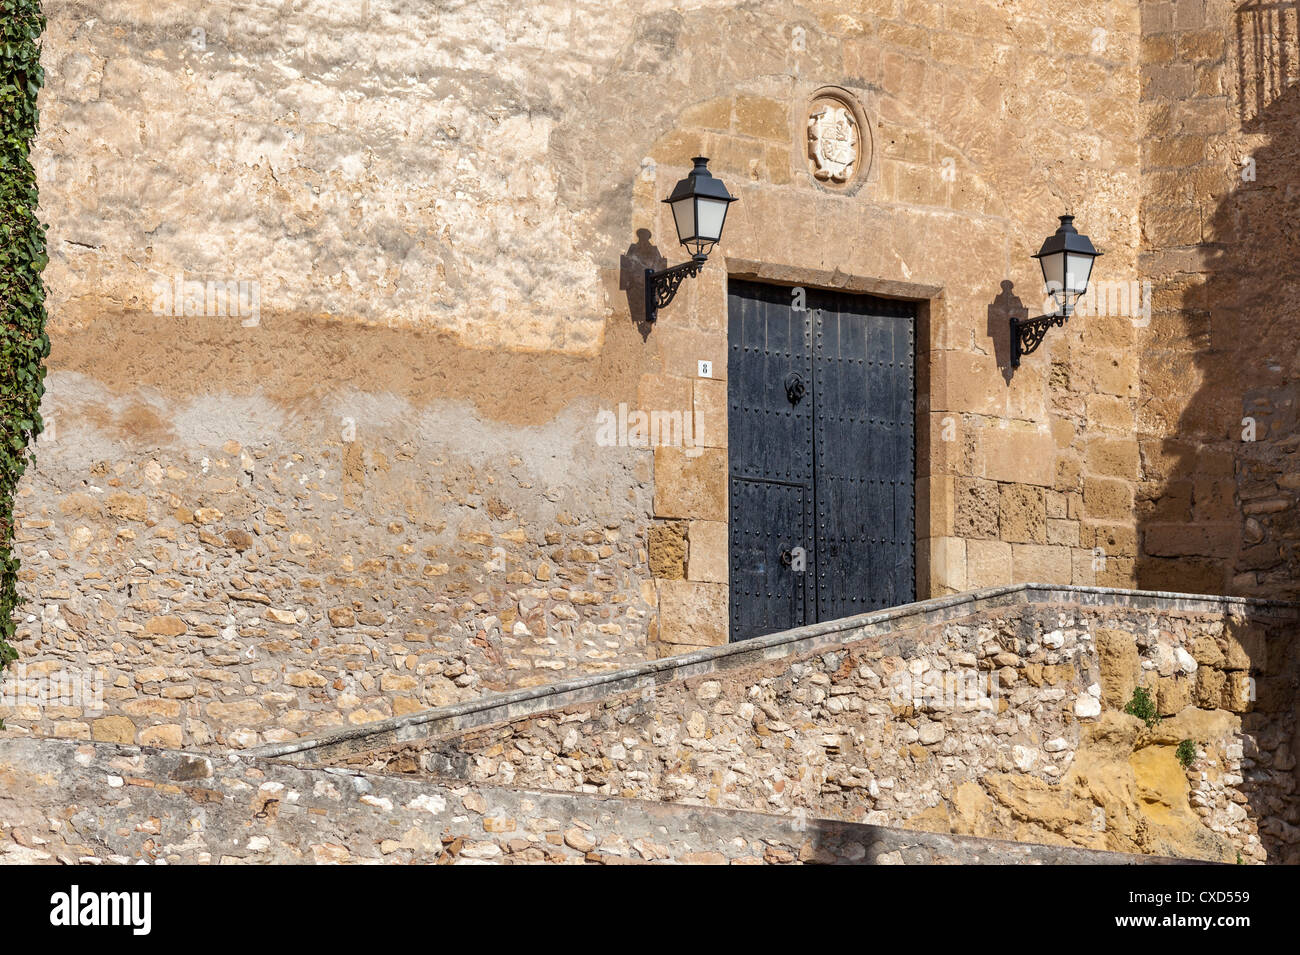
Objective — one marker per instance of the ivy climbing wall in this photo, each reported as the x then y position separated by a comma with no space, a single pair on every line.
23,343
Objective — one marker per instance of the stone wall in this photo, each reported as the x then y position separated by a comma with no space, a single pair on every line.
445,211
366,478
244,596
67,802
997,715
385,491
1217,505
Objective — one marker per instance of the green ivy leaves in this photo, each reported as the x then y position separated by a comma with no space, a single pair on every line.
24,345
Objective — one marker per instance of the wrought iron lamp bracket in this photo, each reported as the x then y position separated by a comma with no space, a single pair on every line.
661,287
1028,333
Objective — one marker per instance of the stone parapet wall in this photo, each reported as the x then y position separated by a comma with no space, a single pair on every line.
995,714
68,802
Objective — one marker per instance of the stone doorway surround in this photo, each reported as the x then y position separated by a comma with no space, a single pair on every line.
688,541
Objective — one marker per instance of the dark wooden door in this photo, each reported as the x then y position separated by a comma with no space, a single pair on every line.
821,455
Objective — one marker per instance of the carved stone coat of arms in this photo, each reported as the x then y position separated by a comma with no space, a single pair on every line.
832,143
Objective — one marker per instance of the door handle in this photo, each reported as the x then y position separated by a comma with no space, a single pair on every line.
794,387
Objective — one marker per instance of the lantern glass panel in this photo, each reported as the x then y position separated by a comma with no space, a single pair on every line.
1053,273
684,218
712,213
1078,269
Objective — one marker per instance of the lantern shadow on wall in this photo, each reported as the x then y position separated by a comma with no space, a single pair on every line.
641,256
1003,313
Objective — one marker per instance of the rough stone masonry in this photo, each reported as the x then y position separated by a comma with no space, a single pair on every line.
66,802
1005,713
369,482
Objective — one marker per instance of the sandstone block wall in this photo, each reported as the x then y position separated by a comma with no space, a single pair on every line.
1217,506
1003,720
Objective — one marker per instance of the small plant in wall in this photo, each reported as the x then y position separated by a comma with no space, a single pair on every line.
23,343
1186,753
1143,707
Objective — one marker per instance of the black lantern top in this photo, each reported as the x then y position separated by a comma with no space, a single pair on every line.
1066,259
699,203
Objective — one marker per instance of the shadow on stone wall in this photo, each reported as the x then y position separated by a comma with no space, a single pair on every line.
640,255
1005,306
1217,511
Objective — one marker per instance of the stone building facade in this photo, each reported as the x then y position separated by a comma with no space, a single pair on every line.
342,296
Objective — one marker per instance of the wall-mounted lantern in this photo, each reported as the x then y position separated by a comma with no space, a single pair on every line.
1066,259
699,203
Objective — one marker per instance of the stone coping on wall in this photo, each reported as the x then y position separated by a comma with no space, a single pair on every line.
68,801
514,705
